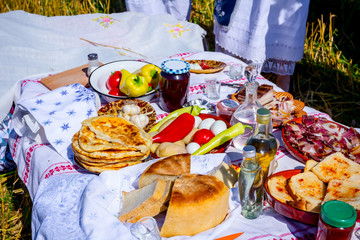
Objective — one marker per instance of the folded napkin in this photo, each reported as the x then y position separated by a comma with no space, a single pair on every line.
55,116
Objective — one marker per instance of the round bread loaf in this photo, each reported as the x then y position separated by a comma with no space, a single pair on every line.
197,203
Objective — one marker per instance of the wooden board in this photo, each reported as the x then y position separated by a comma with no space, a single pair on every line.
71,76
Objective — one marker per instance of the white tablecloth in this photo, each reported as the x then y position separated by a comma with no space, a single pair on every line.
71,203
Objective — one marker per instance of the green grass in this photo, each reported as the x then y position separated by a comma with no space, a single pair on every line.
326,79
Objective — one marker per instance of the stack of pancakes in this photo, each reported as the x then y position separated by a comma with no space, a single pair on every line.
109,143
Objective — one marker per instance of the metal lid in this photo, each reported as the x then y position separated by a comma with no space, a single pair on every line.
249,151
92,56
263,116
175,66
228,103
338,214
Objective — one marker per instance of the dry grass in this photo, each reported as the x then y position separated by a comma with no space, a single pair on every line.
325,79
15,208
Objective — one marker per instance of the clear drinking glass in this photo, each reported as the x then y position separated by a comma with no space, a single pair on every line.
236,71
212,88
145,229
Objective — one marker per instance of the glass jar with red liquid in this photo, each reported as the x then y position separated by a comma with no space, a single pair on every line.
226,108
336,221
174,84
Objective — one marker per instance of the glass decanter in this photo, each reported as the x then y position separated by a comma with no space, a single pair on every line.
246,114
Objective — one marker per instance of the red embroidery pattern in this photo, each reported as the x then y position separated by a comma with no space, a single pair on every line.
182,55
161,116
28,158
24,82
15,145
61,168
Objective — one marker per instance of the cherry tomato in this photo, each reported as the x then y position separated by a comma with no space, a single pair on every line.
114,80
204,65
202,136
115,92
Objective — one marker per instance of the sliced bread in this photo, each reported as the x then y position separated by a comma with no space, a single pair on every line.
310,164
145,202
307,190
343,190
337,166
277,186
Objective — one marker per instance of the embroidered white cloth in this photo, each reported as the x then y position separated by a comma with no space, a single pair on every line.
71,203
260,30
32,44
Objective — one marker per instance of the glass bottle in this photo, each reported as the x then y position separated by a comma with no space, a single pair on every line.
264,142
251,189
93,63
336,221
246,114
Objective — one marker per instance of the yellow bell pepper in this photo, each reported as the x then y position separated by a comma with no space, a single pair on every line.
124,75
134,86
151,74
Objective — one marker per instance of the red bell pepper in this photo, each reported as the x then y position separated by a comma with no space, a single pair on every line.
176,130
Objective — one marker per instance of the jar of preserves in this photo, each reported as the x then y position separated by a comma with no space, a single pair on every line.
174,84
337,221
225,108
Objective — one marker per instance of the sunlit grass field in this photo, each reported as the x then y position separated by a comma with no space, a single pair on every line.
325,79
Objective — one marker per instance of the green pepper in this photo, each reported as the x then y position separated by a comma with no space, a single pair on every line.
151,73
134,86
221,138
193,110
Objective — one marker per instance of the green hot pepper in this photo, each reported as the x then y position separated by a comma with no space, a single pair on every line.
221,138
193,110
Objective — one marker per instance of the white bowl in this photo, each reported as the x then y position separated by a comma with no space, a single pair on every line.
100,75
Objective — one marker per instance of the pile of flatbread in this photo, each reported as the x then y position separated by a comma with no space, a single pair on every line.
109,143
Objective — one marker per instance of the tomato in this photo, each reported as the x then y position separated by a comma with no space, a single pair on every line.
115,92
203,136
114,80
204,65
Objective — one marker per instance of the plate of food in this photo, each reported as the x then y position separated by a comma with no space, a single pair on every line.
125,79
299,193
314,138
139,112
205,66
206,127
109,143
282,105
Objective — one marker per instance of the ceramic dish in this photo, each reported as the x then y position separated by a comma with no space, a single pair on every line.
114,108
100,75
289,211
294,152
215,66
286,210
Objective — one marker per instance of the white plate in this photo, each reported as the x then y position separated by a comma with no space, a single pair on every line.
100,75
